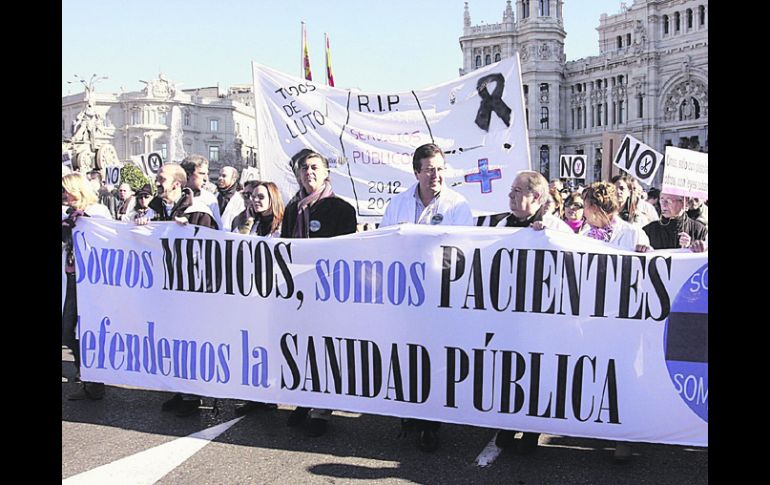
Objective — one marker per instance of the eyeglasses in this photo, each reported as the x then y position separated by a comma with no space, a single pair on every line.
428,171
575,206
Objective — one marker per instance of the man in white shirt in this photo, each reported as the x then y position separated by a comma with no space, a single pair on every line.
428,201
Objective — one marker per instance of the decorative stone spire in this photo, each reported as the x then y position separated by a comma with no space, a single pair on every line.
468,15
508,13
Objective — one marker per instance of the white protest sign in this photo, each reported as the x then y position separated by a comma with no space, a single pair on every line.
502,328
112,175
572,166
148,163
638,159
686,173
369,138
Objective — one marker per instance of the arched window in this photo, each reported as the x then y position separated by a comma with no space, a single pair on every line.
487,60
665,24
497,57
525,7
677,22
478,61
545,161
544,118
689,18
702,14
620,41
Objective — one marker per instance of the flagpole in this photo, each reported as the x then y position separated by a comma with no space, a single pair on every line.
326,57
302,52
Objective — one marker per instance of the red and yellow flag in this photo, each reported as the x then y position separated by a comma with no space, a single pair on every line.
329,75
305,56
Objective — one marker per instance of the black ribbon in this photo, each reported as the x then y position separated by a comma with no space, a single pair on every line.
492,102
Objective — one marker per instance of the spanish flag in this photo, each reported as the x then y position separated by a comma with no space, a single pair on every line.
305,56
329,75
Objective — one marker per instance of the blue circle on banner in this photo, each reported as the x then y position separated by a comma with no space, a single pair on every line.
685,342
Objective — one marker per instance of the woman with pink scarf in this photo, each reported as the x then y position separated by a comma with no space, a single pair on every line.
315,212
600,209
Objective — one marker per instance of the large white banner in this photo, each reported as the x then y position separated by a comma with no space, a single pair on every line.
494,327
477,119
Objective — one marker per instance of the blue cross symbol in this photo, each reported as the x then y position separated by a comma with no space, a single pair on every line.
484,176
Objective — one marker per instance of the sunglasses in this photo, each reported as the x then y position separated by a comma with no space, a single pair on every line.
575,206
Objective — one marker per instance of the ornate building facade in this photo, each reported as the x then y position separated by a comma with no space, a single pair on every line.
650,79
172,122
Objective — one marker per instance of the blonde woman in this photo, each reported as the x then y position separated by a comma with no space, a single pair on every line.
81,200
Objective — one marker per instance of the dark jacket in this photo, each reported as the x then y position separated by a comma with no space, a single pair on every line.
202,218
664,234
336,217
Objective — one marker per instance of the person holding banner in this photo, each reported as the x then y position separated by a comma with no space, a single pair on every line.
604,222
262,217
264,210
175,202
81,200
428,201
315,212
527,201
675,229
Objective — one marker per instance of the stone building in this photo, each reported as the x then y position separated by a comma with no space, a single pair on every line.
650,79
173,122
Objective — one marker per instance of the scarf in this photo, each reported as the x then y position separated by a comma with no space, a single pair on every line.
602,233
302,225
575,225
224,196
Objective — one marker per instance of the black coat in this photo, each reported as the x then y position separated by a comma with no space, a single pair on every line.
336,217
667,236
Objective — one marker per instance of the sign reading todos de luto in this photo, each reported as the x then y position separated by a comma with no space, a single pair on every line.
502,328
477,119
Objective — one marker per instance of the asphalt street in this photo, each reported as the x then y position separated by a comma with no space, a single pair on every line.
125,438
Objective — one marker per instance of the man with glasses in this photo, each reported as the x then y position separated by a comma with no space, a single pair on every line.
675,229
428,201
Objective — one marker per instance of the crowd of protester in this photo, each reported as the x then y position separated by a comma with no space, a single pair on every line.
618,212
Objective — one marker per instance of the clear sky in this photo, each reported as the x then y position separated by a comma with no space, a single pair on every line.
392,45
